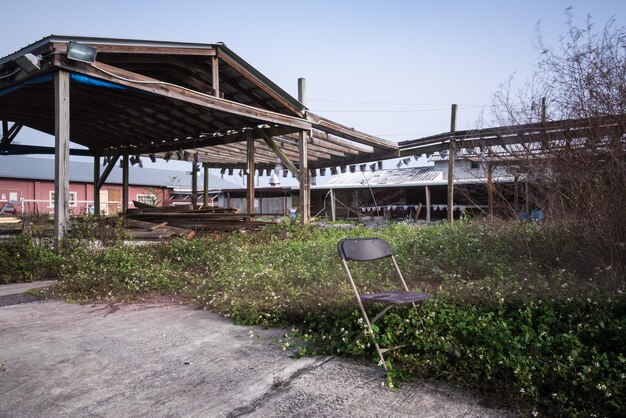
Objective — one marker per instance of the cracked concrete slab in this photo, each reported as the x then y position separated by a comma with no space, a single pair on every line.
171,360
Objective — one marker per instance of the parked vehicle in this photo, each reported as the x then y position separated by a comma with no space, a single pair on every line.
10,208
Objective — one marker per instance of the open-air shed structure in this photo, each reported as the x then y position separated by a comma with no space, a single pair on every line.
124,98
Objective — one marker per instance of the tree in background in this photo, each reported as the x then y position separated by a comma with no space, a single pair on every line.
578,182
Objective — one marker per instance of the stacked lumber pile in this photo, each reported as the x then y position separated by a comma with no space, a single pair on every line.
191,220
143,230
10,225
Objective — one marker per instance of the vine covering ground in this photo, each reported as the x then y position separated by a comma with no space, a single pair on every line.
531,312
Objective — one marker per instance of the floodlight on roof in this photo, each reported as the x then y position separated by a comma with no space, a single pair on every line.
81,52
29,62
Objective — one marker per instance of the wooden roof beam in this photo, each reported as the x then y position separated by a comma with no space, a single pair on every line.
343,131
274,147
206,51
228,60
150,85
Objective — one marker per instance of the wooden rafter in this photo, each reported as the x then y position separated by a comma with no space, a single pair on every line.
279,153
240,69
160,88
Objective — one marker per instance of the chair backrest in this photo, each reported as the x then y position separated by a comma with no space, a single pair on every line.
363,249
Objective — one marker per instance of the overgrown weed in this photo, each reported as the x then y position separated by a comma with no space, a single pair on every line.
516,308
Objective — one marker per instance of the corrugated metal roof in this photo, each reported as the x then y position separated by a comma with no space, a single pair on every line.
18,167
385,178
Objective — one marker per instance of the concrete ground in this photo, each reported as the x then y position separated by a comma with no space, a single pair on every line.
12,294
162,360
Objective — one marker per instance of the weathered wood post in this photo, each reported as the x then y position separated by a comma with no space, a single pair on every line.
205,194
250,185
61,155
305,185
490,189
125,169
333,206
96,188
194,181
427,204
452,154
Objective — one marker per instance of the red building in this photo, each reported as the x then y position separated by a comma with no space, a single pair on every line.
29,184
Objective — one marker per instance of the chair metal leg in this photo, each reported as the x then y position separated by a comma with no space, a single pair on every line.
367,320
381,313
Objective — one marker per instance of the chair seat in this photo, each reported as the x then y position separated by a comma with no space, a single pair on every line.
394,297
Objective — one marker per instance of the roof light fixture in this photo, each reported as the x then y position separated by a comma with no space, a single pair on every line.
81,52
29,63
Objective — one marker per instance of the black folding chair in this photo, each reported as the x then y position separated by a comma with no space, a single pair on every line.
368,249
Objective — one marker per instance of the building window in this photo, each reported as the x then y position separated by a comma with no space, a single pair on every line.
148,199
73,202
474,165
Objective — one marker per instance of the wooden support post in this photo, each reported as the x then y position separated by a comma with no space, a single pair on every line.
490,189
427,204
285,207
125,169
205,194
451,166
250,190
194,181
544,135
516,195
527,198
215,75
333,206
305,186
96,189
61,155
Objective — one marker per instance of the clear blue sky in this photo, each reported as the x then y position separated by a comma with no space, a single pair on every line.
389,68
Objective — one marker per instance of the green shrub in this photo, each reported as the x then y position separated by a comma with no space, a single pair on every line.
25,259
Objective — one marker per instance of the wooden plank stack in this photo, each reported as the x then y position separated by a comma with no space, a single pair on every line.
10,225
163,222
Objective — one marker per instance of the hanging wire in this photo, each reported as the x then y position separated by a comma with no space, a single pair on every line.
371,191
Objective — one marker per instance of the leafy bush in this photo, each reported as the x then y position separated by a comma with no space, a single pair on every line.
24,259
